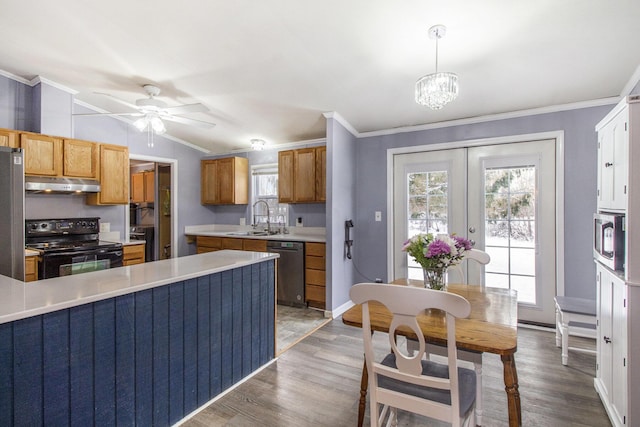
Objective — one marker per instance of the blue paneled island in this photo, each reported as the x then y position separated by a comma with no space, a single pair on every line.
145,344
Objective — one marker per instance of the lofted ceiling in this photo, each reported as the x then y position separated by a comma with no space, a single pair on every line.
269,68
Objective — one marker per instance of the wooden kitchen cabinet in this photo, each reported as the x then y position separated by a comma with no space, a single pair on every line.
285,176
321,174
42,154
315,275
114,177
9,138
143,187
208,244
30,268
224,181
133,254
254,245
302,175
80,159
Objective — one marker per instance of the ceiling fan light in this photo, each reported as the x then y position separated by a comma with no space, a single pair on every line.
158,125
258,144
141,123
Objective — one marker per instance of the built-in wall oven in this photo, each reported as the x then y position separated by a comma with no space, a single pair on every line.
70,246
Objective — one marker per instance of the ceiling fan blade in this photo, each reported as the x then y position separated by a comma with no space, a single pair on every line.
190,122
128,104
110,114
187,108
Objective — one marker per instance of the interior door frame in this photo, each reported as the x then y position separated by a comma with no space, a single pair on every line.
173,164
559,190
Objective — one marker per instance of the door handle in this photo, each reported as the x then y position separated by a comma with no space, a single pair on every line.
472,229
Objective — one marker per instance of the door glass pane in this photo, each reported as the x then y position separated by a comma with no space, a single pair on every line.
428,206
510,229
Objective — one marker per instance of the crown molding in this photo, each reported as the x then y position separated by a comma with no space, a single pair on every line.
633,81
39,79
15,77
494,117
338,118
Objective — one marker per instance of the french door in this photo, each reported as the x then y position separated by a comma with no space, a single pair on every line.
500,196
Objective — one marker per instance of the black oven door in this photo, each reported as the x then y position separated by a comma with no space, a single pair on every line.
75,262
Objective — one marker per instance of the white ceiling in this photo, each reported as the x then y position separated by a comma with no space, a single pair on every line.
269,68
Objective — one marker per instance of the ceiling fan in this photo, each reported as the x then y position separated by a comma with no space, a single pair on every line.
152,112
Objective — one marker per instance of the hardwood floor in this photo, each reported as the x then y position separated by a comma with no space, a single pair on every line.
294,323
317,383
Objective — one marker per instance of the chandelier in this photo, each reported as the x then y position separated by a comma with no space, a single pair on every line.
437,89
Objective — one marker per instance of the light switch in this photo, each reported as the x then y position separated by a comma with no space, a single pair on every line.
378,216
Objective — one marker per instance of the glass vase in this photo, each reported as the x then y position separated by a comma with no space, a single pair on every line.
434,278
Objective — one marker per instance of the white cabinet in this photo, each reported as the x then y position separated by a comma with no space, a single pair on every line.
618,346
613,154
611,365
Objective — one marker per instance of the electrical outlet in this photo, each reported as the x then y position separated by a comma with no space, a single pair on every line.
243,221
378,216
105,227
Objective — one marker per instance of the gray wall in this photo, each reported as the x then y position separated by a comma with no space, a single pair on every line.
16,100
341,206
579,175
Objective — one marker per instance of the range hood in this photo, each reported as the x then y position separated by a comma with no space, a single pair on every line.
45,184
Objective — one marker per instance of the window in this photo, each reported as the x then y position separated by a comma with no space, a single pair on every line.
265,187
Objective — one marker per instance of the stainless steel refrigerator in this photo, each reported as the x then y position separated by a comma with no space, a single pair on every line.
12,213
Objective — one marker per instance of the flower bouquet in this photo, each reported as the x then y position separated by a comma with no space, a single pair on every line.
435,254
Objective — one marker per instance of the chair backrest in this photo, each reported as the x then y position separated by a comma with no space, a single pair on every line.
476,255
405,303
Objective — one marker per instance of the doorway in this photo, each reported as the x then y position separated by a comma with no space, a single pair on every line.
152,211
502,197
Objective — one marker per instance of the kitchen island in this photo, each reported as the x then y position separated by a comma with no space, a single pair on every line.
146,344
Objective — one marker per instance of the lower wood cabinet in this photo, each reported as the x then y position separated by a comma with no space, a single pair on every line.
315,275
30,268
214,243
133,254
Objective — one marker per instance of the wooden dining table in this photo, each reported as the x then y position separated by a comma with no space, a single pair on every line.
490,328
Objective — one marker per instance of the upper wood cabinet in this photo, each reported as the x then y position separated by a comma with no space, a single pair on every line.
9,138
224,181
302,175
42,154
80,159
285,176
321,174
143,186
114,177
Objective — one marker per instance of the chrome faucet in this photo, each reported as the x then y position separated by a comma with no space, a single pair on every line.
254,216
282,224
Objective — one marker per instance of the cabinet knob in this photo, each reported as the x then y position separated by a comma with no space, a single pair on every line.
607,339
608,165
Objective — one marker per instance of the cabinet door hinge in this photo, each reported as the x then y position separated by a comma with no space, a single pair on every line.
625,125
624,362
625,189
598,193
624,303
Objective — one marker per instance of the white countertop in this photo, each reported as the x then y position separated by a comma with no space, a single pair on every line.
19,300
296,234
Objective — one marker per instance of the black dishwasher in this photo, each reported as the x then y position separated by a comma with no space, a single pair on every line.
290,272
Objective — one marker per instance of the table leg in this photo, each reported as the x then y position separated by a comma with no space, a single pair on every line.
364,382
511,387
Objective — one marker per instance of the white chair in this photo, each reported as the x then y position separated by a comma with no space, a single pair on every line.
397,381
482,258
